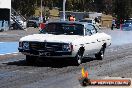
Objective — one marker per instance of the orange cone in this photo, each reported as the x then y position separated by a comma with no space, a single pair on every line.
84,74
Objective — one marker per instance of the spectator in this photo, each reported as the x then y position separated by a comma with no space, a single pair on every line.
121,23
72,18
96,19
113,24
44,19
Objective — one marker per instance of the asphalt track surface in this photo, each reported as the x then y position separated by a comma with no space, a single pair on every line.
16,73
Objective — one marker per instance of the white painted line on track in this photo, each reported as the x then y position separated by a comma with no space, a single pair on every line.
14,53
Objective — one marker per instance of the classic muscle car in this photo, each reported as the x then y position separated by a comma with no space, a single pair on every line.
65,39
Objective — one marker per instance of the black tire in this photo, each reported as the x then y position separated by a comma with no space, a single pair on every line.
1,30
35,25
100,54
31,59
15,26
86,82
79,58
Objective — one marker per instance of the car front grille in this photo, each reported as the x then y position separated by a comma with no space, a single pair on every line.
46,46
36,45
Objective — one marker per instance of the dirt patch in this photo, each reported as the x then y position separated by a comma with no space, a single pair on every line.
15,35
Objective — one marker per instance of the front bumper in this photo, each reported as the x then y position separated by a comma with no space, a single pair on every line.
42,53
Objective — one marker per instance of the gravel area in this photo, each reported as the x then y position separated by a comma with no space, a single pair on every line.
15,35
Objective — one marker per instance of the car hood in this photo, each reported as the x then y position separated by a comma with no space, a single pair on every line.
51,38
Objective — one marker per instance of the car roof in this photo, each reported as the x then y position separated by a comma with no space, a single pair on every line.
87,19
70,22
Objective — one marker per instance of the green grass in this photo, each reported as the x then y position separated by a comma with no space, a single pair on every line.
53,12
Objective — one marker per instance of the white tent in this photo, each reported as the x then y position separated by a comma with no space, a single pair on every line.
6,4
5,13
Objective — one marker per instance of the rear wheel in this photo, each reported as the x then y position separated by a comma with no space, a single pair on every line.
30,59
100,55
36,25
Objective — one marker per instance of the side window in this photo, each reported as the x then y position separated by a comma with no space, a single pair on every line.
96,28
87,31
92,29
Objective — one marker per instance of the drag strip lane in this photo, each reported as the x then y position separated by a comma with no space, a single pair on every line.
8,48
16,73
31,76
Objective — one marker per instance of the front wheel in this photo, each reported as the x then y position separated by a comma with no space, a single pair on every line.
79,58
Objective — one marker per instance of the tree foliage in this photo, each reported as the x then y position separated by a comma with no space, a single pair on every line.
122,9
25,7
119,8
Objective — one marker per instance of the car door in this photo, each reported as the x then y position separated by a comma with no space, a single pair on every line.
98,39
92,45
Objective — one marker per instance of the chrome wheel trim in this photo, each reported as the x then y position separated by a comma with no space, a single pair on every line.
102,53
79,60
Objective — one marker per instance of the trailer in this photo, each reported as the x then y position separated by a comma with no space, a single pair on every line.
5,13
9,18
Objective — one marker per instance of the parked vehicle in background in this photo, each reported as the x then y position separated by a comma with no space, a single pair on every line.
127,26
90,21
33,22
74,40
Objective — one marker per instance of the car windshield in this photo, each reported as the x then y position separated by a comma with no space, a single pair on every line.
64,28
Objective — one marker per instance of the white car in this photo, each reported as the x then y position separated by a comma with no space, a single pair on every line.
65,39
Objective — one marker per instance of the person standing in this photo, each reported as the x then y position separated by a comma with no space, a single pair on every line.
113,24
121,23
71,18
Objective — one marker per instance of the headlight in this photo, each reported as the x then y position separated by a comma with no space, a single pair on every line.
67,47
25,45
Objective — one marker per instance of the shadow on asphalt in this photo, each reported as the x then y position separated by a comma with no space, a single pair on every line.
54,63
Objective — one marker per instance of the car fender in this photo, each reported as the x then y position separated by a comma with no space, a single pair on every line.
76,48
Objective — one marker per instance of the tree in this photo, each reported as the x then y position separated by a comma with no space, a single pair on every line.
24,7
107,6
122,8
